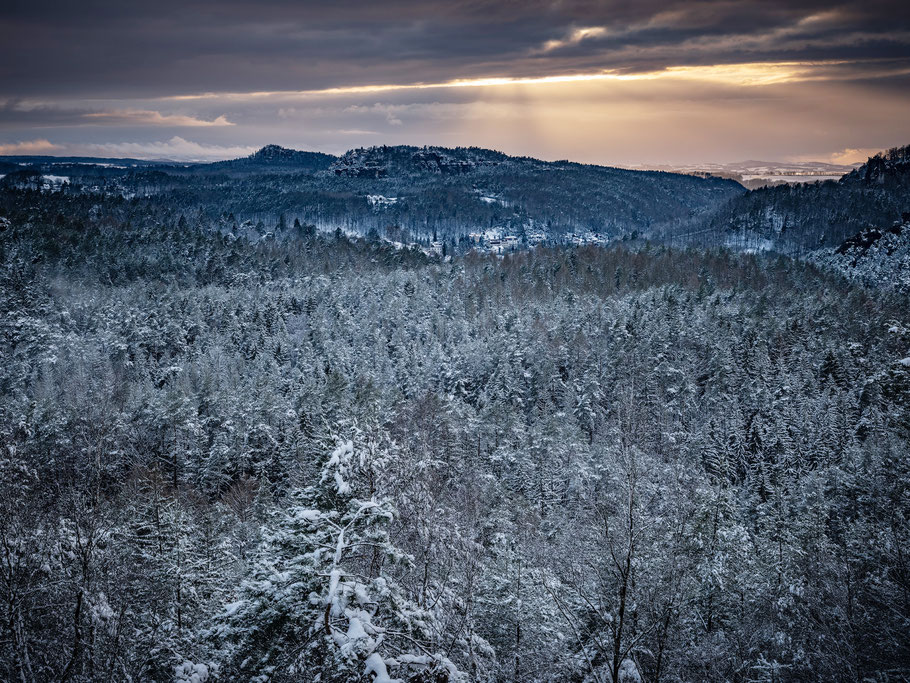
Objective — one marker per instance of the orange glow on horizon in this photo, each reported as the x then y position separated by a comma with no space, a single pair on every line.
743,74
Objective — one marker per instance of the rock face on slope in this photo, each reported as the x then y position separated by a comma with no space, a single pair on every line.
384,161
887,169
876,257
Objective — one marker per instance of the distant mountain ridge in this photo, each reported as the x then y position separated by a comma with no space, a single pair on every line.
274,157
420,194
482,198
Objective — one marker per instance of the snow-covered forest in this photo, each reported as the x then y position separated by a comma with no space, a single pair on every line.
324,459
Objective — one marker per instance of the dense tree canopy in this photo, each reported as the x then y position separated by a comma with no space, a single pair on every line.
321,458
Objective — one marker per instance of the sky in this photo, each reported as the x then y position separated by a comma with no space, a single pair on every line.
628,83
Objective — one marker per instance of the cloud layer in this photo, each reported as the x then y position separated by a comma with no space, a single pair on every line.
175,47
334,75
29,147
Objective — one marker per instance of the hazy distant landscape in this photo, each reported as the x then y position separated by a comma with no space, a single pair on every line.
756,174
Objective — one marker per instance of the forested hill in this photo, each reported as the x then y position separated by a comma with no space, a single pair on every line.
463,197
801,218
271,159
411,194
324,458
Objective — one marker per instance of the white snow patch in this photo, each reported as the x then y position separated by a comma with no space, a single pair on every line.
188,672
356,630
233,607
628,672
55,180
339,460
343,487
379,200
376,666
334,578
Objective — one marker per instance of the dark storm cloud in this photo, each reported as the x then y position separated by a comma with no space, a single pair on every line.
127,49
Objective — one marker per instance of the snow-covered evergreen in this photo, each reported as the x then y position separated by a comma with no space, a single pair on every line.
324,458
